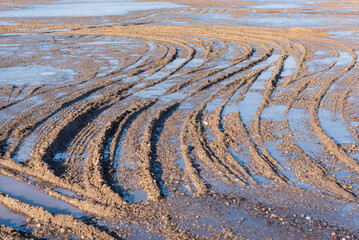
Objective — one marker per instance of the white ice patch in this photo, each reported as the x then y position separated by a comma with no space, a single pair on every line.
86,8
34,75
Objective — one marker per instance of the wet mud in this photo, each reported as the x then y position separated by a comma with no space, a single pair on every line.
180,122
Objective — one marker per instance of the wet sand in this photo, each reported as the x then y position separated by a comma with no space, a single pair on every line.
205,120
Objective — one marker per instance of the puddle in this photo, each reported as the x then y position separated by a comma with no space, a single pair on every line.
4,117
181,164
25,149
31,195
10,219
171,98
154,91
174,64
261,81
34,75
138,196
230,108
195,62
244,161
275,113
249,105
7,23
85,8
335,128
213,105
295,20
65,192
275,6
344,59
289,66
344,33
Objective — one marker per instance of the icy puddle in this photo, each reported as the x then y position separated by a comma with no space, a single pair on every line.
34,75
335,128
249,106
276,6
31,195
11,219
289,66
275,113
86,8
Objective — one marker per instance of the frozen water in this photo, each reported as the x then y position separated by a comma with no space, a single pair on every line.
249,106
289,66
7,23
11,219
85,8
65,192
34,74
275,6
275,113
335,128
295,20
138,196
31,195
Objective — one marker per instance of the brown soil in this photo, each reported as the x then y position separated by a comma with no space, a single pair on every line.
150,113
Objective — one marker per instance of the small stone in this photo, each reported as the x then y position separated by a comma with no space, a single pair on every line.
308,218
28,220
38,225
197,217
62,230
241,220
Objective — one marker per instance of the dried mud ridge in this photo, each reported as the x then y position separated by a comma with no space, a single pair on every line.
157,113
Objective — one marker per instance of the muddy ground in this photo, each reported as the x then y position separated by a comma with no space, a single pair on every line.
184,120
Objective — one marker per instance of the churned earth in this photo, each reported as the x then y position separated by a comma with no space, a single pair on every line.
179,119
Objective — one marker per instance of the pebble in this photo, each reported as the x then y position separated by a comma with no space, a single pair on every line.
308,218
